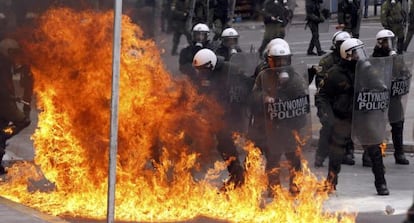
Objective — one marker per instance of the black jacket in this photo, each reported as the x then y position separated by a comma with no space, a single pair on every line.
335,96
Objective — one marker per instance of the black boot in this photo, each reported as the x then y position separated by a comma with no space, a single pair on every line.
295,167
318,161
397,140
366,160
378,169
333,171
401,159
382,189
348,158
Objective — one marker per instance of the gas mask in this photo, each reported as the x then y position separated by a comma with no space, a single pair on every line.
199,38
283,77
233,51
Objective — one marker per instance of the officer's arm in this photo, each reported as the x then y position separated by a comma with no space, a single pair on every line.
323,99
323,72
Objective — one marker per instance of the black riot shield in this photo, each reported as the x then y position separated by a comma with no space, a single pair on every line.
286,109
371,100
240,84
400,86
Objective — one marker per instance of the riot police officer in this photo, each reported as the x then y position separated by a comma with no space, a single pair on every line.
349,16
393,18
200,34
213,72
10,53
257,121
179,17
385,48
274,86
313,18
275,18
325,63
229,44
335,97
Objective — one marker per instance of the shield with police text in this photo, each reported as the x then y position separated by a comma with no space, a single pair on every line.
240,83
286,109
400,86
371,100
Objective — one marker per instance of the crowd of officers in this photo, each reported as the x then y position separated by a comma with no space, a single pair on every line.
275,81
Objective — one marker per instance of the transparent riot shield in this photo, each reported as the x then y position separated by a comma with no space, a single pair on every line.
246,62
400,86
371,100
286,109
240,83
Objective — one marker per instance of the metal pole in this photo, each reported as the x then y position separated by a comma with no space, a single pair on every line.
116,51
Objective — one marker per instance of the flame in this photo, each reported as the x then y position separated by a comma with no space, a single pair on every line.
165,136
383,147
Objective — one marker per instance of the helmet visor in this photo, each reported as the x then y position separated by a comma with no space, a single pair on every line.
358,54
230,42
279,61
200,37
387,43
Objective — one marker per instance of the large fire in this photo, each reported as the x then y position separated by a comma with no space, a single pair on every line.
165,137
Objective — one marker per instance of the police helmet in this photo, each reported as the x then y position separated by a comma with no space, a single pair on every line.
385,39
338,38
205,59
7,45
200,33
279,55
353,49
276,41
230,37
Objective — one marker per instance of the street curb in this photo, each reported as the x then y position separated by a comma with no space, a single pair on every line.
30,212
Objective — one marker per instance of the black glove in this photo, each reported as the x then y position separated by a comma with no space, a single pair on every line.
321,19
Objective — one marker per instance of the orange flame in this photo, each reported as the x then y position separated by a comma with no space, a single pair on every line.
161,120
383,147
